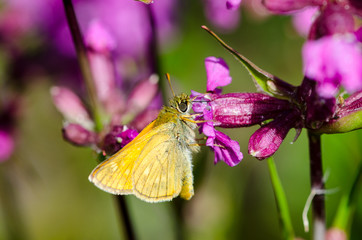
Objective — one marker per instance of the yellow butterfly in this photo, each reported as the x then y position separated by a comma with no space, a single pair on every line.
156,165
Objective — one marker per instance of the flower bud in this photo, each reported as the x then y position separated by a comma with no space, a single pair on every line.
71,107
142,95
267,139
78,135
245,109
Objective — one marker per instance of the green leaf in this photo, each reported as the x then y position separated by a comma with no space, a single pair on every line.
351,122
263,80
281,201
347,204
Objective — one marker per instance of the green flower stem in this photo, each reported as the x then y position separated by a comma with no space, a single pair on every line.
9,204
347,204
317,185
153,52
178,207
281,201
126,220
84,63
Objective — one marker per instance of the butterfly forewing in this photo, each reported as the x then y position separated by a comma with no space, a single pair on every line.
157,173
115,174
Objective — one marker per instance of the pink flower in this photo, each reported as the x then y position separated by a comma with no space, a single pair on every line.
99,38
222,13
334,61
217,73
304,19
233,4
6,145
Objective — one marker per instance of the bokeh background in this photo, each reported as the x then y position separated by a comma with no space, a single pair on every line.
45,192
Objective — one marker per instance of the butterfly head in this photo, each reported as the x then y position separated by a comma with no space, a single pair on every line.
181,103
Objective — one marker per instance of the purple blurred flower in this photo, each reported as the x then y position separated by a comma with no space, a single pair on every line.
116,110
71,107
126,21
333,55
334,61
117,138
98,38
6,145
303,20
286,6
79,128
9,109
223,13
233,4
101,45
333,19
78,135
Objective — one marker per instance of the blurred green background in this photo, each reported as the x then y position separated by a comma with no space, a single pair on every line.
48,177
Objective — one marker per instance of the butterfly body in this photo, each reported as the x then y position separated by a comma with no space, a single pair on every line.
156,165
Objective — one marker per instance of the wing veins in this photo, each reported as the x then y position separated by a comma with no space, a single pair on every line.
152,166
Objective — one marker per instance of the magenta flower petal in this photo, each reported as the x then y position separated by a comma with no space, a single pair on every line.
267,139
104,76
117,138
358,34
225,149
233,4
245,109
303,20
200,101
351,105
7,145
98,38
285,6
334,19
217,13
142,95
127,136
217,73
143,119
71,107
334,61
78,135
317,109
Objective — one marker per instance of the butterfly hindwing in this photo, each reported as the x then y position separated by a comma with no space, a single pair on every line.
157,173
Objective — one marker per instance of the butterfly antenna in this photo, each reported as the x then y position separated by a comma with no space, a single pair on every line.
193,99
169,83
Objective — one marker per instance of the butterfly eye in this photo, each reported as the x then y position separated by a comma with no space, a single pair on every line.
183,106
